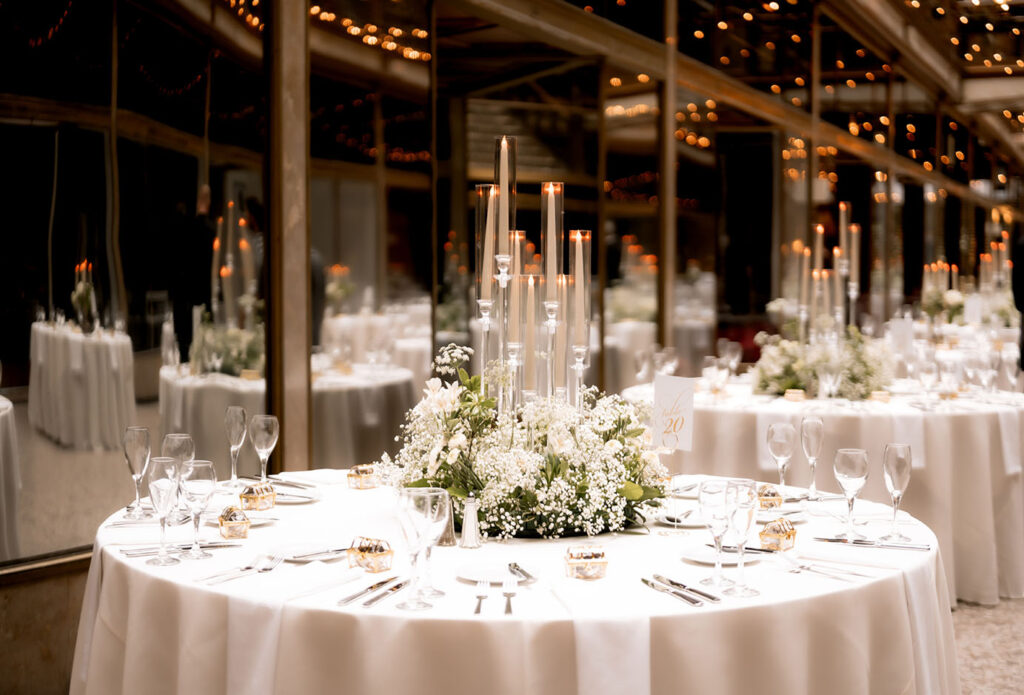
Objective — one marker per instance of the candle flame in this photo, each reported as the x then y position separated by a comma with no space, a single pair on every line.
243,244
819,228
843,205
504,143
231,203
854,229
798,246
1006,235
816,274
216,244
225,271
836,251
220,220
955,268
241,222
531,280
90,267
807,251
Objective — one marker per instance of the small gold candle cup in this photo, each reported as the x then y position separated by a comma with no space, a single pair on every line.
372,554
363,477
258,497
233,523
587,562
768,497
778,535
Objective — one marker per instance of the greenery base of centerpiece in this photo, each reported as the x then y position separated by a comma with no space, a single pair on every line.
543,470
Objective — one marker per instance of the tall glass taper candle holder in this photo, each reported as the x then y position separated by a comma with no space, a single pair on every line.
502,261
485,271
532,318
506,151
515,337
560,358
552,240
579,270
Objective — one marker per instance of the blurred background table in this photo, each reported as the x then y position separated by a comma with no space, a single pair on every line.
10,482
966,482
81,390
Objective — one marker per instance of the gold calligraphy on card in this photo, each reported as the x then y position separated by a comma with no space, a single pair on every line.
673,412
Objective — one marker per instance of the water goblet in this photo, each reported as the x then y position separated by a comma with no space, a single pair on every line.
182,449
812,432
1009,361
642,360
422,518
198,481
896,464
234,424
136,454
714,510
163,490
428,590
851,471
781,442
734,354
928,375
741,500
669,361
263,431
949,375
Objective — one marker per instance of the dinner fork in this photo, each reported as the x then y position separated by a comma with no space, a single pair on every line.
251,564
508,589
482,588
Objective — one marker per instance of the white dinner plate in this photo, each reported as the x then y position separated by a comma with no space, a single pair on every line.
768,515
301,552
692,520
703,555
493,573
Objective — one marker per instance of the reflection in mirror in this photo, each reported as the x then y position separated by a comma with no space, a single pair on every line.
132,294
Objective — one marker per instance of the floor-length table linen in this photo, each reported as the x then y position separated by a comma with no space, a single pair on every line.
10,482
355,416
81,387
966,484
155,630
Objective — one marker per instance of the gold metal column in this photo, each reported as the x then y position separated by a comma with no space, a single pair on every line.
289,316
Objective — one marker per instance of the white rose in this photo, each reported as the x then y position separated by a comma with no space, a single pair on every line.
432,462
613,446
458,441
453,456
560,441
650,458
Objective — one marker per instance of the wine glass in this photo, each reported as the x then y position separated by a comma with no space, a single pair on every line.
928,375
970,369
781,442
669,361
263,431
714,510
851,470
812,432
642,362
949,375
741,500
422,515
136,455
182,449
234,423
1010,357
709,370
896,470
198,481
734,354
428,590
163,491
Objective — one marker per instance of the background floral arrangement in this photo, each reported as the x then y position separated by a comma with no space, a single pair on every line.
547,470
946,303
228,350
865,365
1003,312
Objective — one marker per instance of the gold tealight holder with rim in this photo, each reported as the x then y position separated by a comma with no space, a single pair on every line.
258,497
587,562
372,554
363,477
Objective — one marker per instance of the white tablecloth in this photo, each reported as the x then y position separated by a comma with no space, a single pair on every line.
10,482
154,630
966,484
81,388
355,416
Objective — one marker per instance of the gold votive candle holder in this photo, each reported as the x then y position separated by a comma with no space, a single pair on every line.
587,562
768,497
778,535
233,523
258,497
363,477
372,554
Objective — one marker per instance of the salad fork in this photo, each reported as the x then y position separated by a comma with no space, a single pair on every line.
482,588
508,590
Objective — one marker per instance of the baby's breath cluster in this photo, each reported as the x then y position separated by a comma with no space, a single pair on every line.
450,358
546,470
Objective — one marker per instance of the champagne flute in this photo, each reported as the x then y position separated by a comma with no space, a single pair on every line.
263,431
136,454
741,499
198,482
851,470
812,432
234,422
734,354
781,442
896,464
182,449
714,510
163,490
419,512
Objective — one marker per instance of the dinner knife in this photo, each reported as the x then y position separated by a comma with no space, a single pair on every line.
384,594
875,544
683,587
326,551
693,601
368,590
746,549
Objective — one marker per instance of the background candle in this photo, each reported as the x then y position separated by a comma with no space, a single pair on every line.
844,224
514,312
503,196
245,252
530,341
560,332
551,227
819,245
837,255
215,266
580,273
485,264
805,277
855,253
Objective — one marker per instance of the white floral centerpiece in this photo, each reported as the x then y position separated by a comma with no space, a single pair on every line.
949,304
228,350
865,365
1003,312
545,470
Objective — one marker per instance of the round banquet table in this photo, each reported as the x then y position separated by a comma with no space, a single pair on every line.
156,630
81,390
966,482
355,416
10,482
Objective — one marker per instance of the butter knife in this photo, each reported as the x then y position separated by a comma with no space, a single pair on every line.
875,544
672,592
384,594
746,549
689,589
514,568
368,590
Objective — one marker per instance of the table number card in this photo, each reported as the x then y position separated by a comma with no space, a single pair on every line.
673,412
901,335
973,309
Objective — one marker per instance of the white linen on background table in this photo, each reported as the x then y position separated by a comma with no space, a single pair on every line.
355,416
154,630
970,491
10,482
81,390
